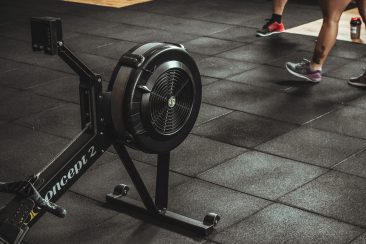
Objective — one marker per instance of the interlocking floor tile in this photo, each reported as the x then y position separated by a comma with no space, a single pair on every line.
23,104
141,34
125,230
23,151
330,89
236,96
196,154
210,46
114,50
251,53
267,77
63,121
351,69
354,165
210,112
261,174
66,89
238,33
348,120
86,43
197,198
169,23
282,224
349,50
28,76
221,68
82,214
243,129
314,146
359,102
334,194
100,181
8,65
360,240
205,80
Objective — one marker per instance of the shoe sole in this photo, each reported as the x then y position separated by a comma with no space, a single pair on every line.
269,34
356,84
301,76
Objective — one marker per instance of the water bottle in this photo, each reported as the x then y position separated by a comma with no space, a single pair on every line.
356,28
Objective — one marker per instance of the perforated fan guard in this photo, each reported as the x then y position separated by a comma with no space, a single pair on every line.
156,96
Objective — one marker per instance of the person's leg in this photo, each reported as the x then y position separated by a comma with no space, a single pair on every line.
332,11
361,4
360,80
278,6
274,24
311,70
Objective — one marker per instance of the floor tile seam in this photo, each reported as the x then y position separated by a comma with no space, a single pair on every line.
199,174
292,159
29,115
334,132
189,18
355,238
333,55
328,169
208,241
336,108
76,52
282,91
255,115
227,39
29,88
303,185
100,204
360,226
39,66
278,92
242,44
13,38
41,131
103,36
269,201
141,25
213,118
245,61
150,163
55,98
348,104
237,222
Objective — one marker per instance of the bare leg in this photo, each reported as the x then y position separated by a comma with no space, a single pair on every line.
361,4
360,81
278,6
332,11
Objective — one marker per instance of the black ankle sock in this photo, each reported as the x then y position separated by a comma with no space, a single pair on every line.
276,18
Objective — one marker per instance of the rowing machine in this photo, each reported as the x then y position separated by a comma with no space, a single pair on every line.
151,104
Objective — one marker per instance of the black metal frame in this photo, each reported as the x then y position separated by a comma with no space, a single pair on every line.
70,164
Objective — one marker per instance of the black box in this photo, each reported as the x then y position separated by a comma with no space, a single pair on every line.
46,32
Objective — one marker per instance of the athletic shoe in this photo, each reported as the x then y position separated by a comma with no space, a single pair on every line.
359,81
271,28
303,70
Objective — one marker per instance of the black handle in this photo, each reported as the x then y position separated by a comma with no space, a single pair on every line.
26,189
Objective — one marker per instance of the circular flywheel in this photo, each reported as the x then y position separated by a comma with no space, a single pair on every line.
155,96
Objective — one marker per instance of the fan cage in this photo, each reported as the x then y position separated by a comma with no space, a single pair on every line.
171,101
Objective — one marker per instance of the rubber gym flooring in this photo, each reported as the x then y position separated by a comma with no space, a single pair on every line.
282,161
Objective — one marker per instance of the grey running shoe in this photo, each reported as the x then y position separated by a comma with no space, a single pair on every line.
302,70
359,81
